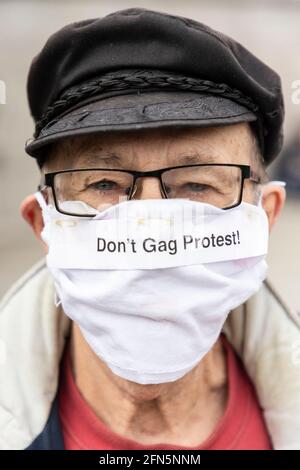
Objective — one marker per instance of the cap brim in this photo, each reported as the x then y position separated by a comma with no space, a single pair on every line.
143,110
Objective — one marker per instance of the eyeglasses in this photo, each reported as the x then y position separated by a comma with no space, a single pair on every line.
85,192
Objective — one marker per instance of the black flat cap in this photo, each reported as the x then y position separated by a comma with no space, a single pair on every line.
139,68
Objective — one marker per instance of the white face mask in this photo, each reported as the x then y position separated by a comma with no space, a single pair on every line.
151,282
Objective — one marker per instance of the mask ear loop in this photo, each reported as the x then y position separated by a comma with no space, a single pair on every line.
57,301
282,184
276,183
40,199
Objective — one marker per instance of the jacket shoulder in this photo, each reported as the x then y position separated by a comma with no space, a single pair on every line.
32,336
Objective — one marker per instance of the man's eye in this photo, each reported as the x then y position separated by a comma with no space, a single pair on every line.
197,187
103,185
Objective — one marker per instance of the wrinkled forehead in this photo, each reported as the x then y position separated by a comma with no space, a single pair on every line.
154,147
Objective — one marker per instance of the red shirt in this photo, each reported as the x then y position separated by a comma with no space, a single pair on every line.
241,427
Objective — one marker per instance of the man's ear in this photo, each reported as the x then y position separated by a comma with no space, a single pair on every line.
273,199
32,213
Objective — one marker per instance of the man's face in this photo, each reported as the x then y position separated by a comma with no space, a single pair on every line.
154,149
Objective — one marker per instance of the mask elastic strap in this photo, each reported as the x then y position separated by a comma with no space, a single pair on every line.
57,301
276,183
270,183
41,200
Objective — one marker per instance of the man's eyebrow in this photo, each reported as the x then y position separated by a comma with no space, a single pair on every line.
113,159
108,158
197,157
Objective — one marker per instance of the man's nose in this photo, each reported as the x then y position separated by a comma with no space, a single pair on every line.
147,188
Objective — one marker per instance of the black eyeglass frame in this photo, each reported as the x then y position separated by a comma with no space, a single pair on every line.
246,173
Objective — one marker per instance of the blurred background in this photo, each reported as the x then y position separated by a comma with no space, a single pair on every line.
269,28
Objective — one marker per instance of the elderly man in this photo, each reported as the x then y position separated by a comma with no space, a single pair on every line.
153,133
